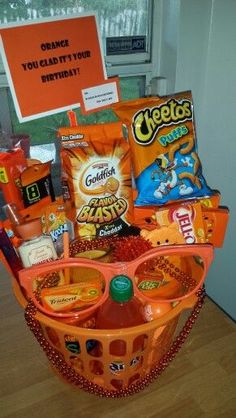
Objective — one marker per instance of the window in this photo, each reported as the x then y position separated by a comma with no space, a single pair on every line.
116,19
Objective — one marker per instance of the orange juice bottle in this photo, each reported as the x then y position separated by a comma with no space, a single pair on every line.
121,310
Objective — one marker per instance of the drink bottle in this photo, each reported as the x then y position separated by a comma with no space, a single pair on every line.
121,310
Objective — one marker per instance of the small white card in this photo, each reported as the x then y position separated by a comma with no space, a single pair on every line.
101,96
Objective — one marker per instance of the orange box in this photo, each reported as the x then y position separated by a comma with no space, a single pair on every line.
215,224
186,220
71,297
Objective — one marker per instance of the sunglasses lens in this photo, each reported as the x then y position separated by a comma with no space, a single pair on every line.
69,290
169,277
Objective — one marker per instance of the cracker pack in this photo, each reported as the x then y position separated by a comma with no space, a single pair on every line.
164,152
96,179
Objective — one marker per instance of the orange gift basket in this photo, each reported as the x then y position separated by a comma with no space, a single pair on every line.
67,350
84,357
168,280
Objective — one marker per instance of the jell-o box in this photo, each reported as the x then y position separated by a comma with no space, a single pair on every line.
185,221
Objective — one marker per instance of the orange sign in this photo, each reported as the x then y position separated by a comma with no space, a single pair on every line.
48,63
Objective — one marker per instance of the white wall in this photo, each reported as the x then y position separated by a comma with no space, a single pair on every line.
170,10
205,42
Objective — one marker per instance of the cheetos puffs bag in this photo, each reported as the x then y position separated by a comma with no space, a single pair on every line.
164,150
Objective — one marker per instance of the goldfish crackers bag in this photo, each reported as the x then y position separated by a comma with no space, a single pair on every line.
96,179
163,145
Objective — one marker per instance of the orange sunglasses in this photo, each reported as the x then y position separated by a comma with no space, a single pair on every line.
75,287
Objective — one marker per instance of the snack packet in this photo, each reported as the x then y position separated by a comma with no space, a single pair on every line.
163,144
96,179
54,224
36,183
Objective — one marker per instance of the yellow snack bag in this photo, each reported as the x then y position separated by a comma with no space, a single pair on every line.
96,179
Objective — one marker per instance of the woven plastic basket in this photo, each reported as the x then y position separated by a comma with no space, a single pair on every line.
72,351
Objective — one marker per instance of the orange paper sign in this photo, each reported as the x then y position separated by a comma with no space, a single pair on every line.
48,63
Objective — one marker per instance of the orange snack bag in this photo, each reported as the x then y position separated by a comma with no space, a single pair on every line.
37,184
162,137
96,179
12,163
